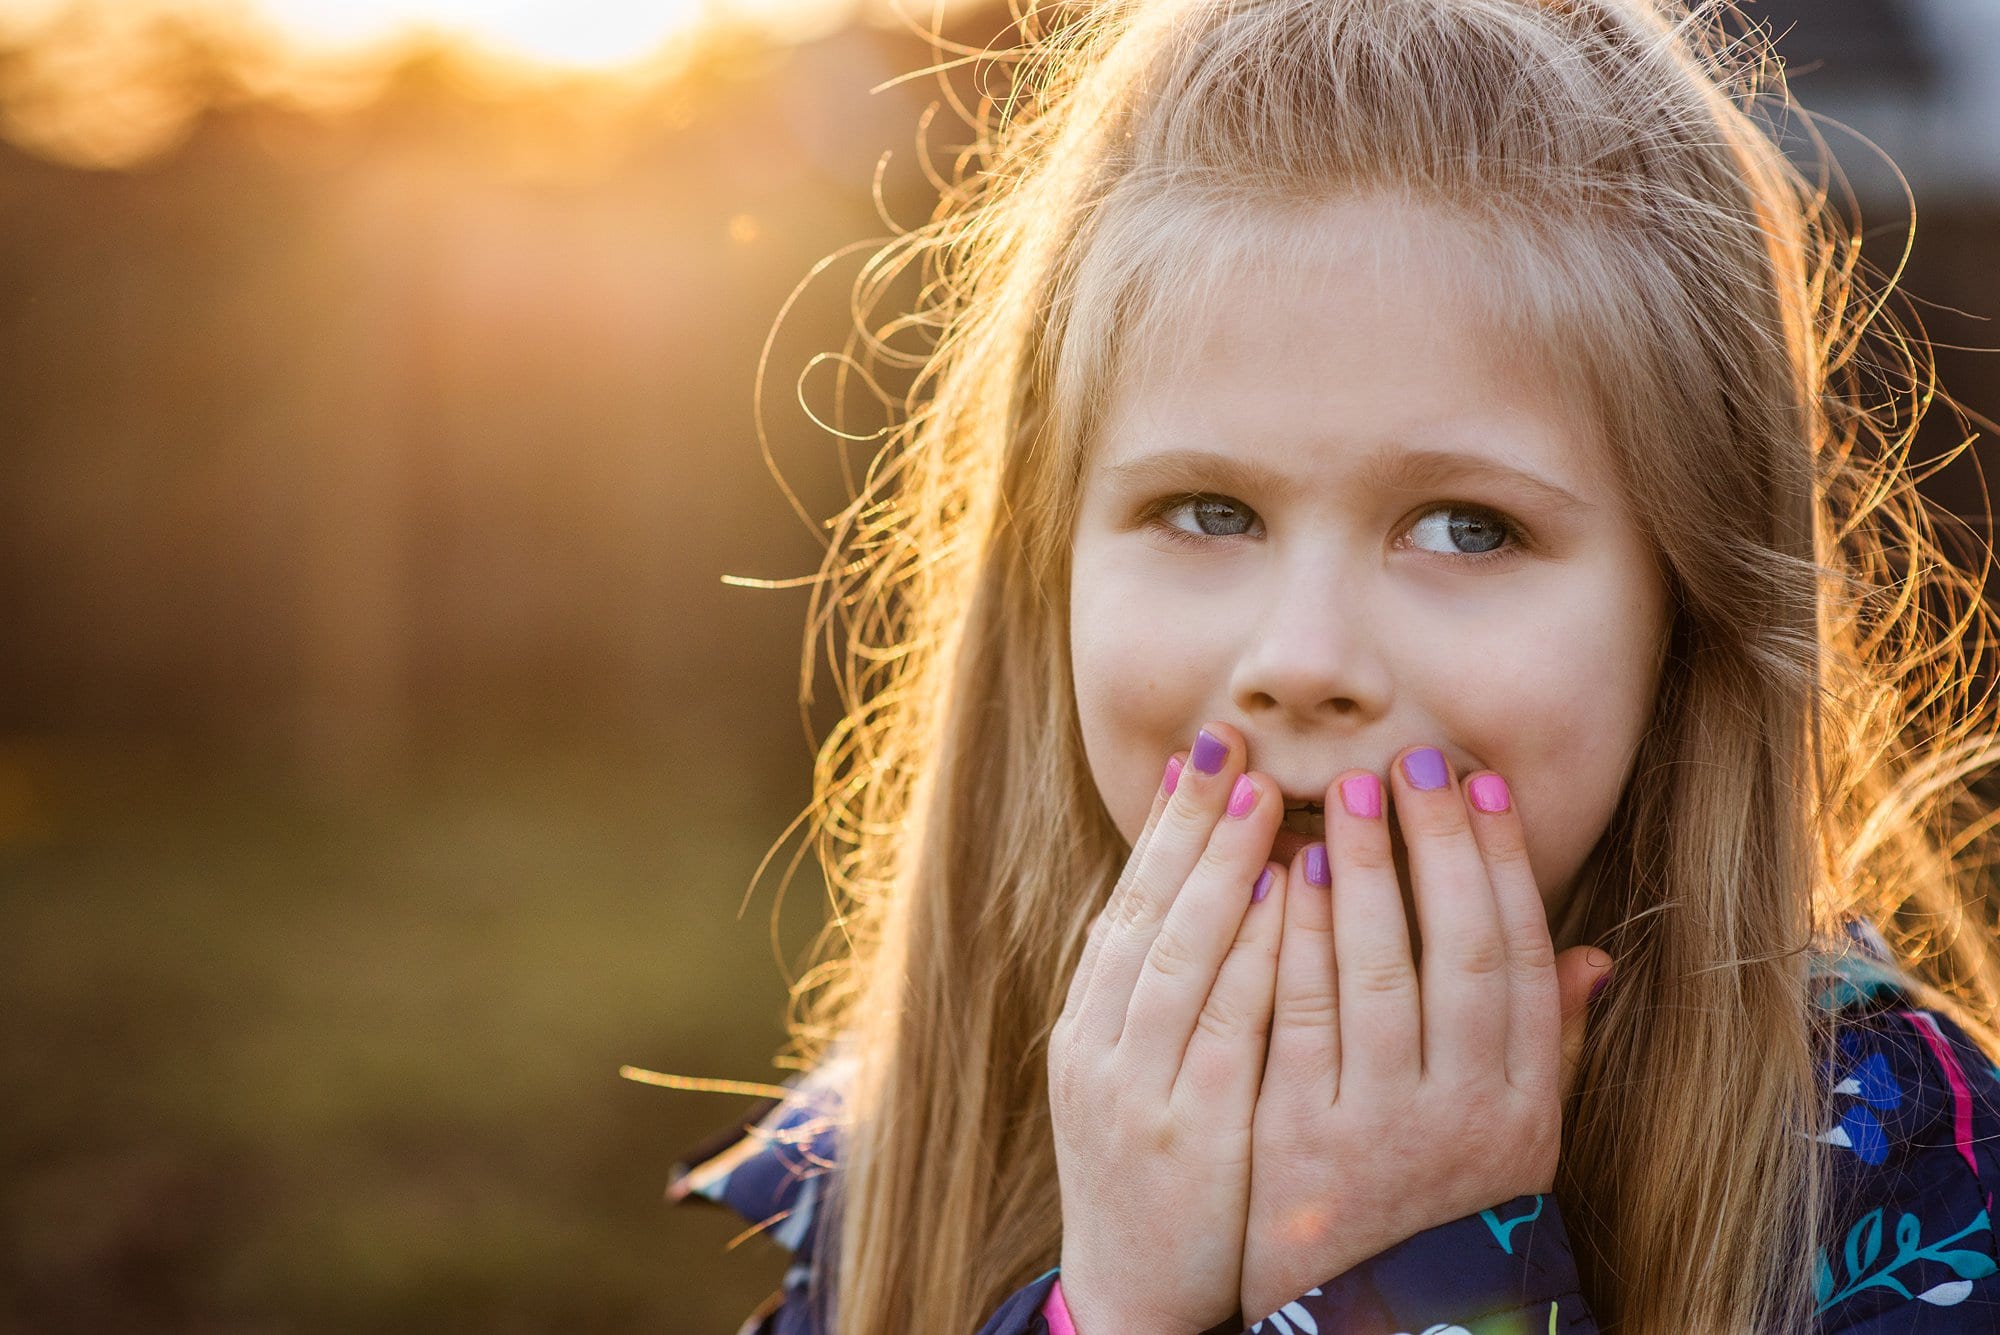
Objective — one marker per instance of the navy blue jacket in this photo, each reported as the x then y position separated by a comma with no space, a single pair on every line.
1913,1130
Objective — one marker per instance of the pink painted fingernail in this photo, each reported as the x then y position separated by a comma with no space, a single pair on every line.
1173,774
1242,797
1263,887
1488,792
1362,796
1316,869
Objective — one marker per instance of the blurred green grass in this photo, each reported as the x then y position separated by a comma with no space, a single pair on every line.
284,1060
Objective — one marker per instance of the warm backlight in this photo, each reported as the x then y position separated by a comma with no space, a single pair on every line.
596,34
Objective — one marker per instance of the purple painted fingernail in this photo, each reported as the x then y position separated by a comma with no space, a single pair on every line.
1488,792
1603,980
1209,752
1425,768
1263,887
1316,868
1173,775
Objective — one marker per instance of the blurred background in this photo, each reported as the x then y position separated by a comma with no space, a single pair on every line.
384,759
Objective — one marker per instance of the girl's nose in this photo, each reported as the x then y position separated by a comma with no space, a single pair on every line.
1311,651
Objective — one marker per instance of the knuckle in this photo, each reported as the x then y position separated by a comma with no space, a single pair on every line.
1170,956
1223,1019
1132,912
1505,849
1314,1006
1482,954
1531,949
1369,853
1185,821
1377,978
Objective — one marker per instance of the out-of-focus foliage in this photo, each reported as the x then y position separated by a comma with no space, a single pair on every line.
383,760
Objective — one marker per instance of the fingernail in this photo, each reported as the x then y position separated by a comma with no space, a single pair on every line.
1603,980
1316,868
1488,792
1362,796
1209,752
1242,796
1425,768
1173,774
1263,887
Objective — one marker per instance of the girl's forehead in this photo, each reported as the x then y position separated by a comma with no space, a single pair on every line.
1361,260
1361,319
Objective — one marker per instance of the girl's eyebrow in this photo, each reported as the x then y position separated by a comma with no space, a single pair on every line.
1389,469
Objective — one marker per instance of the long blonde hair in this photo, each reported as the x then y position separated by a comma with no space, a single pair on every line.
1815,732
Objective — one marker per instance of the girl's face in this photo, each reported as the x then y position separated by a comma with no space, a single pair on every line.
1341,517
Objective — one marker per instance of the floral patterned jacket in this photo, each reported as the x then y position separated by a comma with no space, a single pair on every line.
1913,1128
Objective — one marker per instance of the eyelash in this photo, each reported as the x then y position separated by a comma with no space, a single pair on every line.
1515,537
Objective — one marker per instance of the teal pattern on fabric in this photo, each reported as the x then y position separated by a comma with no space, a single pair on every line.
1503,1229
1864,1246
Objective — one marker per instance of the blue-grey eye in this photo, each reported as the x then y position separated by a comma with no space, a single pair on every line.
1229,512
1456,532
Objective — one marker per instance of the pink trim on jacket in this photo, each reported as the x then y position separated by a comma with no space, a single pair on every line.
1056,1312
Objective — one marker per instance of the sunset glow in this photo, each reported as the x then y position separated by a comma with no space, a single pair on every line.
600,35
108,84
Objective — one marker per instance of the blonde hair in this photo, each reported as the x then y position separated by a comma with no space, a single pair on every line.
1815,730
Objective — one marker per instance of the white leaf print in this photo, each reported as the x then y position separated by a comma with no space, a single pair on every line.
1296,1313
1947,1295
1300,1317
1837,1136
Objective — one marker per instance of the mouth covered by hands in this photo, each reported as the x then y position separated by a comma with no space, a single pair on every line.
1253,1085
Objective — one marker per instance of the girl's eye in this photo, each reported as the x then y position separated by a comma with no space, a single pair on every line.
1214,517
1461,530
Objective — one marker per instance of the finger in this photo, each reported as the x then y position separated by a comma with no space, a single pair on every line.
1534,1011
1226,1054
1094,939
1381,1025
1303,1069
1174,991
1581,974
1463,976
1133,918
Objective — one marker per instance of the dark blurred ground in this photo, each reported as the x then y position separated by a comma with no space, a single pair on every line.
383,761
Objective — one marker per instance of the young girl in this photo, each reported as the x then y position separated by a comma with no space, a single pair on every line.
1409,738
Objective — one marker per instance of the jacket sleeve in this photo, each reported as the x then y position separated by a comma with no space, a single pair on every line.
1504,1271
770,1167
1914,1129
1027,1311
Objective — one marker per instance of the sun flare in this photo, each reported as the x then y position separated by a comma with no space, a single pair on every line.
602,34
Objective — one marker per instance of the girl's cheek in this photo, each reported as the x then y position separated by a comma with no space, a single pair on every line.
1561,758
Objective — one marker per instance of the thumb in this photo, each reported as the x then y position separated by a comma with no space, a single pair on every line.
1580,972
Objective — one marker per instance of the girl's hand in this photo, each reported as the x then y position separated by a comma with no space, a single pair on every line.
1397,1098
1155,1060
